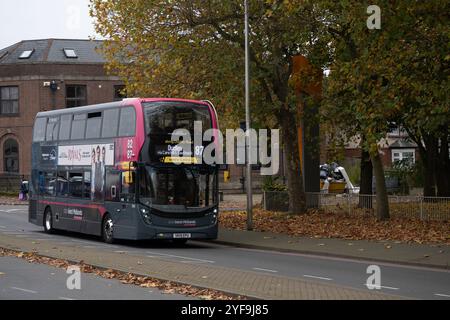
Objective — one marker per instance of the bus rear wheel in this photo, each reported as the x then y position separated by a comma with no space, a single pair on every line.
107,229
48,221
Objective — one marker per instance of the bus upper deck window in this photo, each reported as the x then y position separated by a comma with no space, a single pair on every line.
39,129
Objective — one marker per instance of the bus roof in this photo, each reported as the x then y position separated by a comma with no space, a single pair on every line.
102,106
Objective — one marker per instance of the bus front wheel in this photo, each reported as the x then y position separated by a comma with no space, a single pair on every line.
48,222
107,229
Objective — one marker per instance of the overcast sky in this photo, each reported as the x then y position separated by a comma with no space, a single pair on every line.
42,19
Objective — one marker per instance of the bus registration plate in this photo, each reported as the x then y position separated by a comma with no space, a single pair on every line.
181,235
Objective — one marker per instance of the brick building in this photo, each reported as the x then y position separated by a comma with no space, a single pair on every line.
394,147
40,75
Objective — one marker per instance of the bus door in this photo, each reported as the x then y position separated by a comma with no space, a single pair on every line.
123,206
112,191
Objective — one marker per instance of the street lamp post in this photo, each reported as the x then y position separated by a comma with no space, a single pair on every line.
247,123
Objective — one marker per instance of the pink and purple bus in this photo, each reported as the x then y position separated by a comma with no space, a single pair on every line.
109,170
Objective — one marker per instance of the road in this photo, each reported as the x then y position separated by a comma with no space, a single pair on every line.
405,281
21,280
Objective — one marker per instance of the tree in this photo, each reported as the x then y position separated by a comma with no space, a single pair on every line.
422,72
398,73
194,48
355,97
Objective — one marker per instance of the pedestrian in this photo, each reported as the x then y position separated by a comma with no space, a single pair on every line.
23,194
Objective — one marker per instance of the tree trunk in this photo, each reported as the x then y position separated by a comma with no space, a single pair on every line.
381,191
442,173
365,180
429,167
297,203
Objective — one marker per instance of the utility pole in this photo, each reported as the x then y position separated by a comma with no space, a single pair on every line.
247,123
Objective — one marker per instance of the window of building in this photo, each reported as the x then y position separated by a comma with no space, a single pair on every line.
26,54
119,93
404,155
70,53
76,96
9,100
396,130
11,155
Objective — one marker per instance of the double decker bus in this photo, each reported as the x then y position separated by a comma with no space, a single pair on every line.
109,170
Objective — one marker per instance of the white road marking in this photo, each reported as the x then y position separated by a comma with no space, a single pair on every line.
24,290
64,298
65,243
383,287
3,227
267,270
317,277
79,241
89,247
180,257
12,210
318,256
390,288
442,295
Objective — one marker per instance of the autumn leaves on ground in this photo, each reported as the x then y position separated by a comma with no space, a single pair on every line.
338,225
167,287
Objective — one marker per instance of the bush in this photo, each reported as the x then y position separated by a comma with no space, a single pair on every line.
271,183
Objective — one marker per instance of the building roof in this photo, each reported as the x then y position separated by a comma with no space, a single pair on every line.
402,143
52,51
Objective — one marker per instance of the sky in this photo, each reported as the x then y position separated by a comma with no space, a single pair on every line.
42,19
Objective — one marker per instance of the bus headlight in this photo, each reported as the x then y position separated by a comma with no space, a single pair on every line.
214,216
146,215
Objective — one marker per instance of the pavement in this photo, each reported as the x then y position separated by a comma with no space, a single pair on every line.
436,256
254,264
427,255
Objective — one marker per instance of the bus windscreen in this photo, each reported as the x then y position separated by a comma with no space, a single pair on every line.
163,118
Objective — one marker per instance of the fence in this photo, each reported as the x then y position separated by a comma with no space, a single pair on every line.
10,182
424,208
